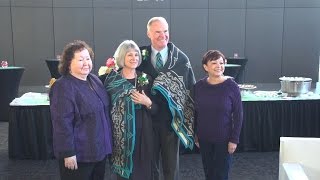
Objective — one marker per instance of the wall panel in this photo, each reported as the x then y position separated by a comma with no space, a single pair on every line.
301,42
112,3
72,3
4,3
263,45
227,4
202,4
6,48
227,31
192,40
72,24
154,4
33,43
265,4
109,33
31,3
302,3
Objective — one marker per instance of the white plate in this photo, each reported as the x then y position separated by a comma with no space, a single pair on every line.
247,86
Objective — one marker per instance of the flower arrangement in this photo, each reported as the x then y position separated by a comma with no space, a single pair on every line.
144,54
110,65
143,79
4,63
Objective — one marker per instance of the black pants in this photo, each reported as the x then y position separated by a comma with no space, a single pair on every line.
166,142
216,160
85,171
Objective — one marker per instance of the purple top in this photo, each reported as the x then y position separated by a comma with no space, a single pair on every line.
80,119
218,111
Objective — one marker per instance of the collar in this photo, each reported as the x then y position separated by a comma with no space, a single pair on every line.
163,52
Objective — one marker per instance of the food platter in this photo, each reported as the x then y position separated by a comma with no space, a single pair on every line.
267,93
247,86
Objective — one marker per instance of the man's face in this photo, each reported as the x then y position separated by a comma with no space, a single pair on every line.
158,34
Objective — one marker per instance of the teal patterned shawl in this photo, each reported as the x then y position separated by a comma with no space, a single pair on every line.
123,126
175,82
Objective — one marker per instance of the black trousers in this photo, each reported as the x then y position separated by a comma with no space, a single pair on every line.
166,143
216,160
85,171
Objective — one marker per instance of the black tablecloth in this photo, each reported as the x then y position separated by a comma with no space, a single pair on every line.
9,79
232,70
30,128
53,67
240,78
30,132
266,121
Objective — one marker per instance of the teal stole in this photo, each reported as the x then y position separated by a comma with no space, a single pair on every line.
175,82
180,104
123,123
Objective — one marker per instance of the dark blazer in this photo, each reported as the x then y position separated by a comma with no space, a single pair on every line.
163,116
80,119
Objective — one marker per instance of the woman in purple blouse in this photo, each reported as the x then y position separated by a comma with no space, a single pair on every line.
218,118
80,116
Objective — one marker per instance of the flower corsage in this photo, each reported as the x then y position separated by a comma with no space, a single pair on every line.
143,80
144,54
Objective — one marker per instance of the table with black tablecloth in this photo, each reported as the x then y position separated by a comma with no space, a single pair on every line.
30,128
53,65
240,77
232,70
10,80
265,121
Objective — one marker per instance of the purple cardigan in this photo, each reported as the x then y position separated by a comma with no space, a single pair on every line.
80,118
219,113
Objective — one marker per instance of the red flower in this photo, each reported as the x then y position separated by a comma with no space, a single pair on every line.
110,63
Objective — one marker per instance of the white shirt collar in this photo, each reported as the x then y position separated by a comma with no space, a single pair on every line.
163,52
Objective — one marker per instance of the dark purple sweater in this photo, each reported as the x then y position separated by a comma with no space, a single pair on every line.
218,111
80,119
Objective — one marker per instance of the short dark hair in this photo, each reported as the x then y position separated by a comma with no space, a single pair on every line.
212,55
68,54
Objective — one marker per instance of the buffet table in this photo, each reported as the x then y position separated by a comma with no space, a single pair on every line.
30,128
267,117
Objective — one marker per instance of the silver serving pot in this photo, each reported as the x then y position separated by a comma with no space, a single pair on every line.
295,86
